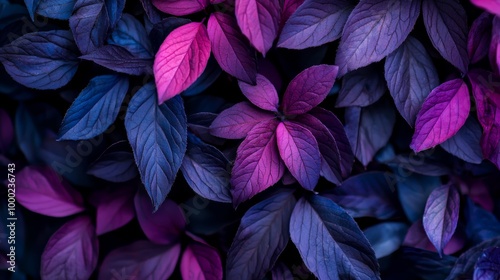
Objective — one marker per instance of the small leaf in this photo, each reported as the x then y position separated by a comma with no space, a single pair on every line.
361,87
89,24
131,34
120,60
201,261
180,7
262,95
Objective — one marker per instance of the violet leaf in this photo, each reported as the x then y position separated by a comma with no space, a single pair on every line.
89,24
180,7
488,264
115,166
119,59
361,87
200,261
262,95
479,39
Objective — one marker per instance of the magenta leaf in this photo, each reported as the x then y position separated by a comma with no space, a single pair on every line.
230,47
446,24
443,113
479,40
163,226
201,261
410,76
259,21
492,6
6,131
71,252
140,260
308,89
300,152
180,7
115,208
258,164
374,29
361,87
488,265
494,51
41,190
441,215
262,95
466,143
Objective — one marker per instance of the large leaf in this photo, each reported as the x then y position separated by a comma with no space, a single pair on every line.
488,265
201,261
89,24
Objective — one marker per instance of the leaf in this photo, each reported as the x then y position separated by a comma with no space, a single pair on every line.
71,252
491,6
6,131
413,191
441,215
230,48
478,42
237,121
385,238
208,77
426,264
41,190
163,225
366,195
264,232
158,136
258,164
180,7
481,225
289,7
206,170
115,208
443,113
330,242
488,264
308,89
95,108
201,261
89,24
314,23
410,76
259,22
281,272
262,95
422,164
120,60
446,25
41,60
368,129
466,143
114,166
32,5
161,29
140,260
115,10
57,9
300,152
373,30
181,59
361,87
131,35
199,125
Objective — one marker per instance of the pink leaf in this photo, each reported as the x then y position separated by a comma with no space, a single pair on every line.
237,121
443,113
115,208
201,261
41,190
71,252
259,21
180,7
258,164
309,88
492,6
262,95
299,150
181,59
230,48
163,226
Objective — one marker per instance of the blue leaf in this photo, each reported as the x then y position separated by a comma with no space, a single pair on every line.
120,60
466,144
480,225
263,232
41,60
28,134
115,10
158,136
115,164
95,109
90,24
488,265
207,78
57,9
413,191
330,242
206,170
32,5
386,238
10,13
131,34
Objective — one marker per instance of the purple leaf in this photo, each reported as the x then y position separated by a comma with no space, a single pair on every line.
89,24
181,59
385,238
237,121
466,143
374,29
180,7
281,272
264,232
230,48
289,7
424,165
115,208
41,190
337,130
41,60
6,131
410,76
131,34
201,261
258,164
488,265
300,152
140,260
308,89
330,242
369,129
163,226
361,87
492,6
479,39
262,95
446,25
441,215
493,51
120,60
158,136
259,21
114,166
417,238
443,113
315,23
71,252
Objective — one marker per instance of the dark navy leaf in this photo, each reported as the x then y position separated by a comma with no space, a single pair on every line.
385,238
116,164
57,9
330,242
120,60
419,164
158,136
41,60
488,265
152,14
131,34
89,24
361,87
425,264
264,232
206,170
466,144
32,5
207,78
115,10
480,225
95,109
413,191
